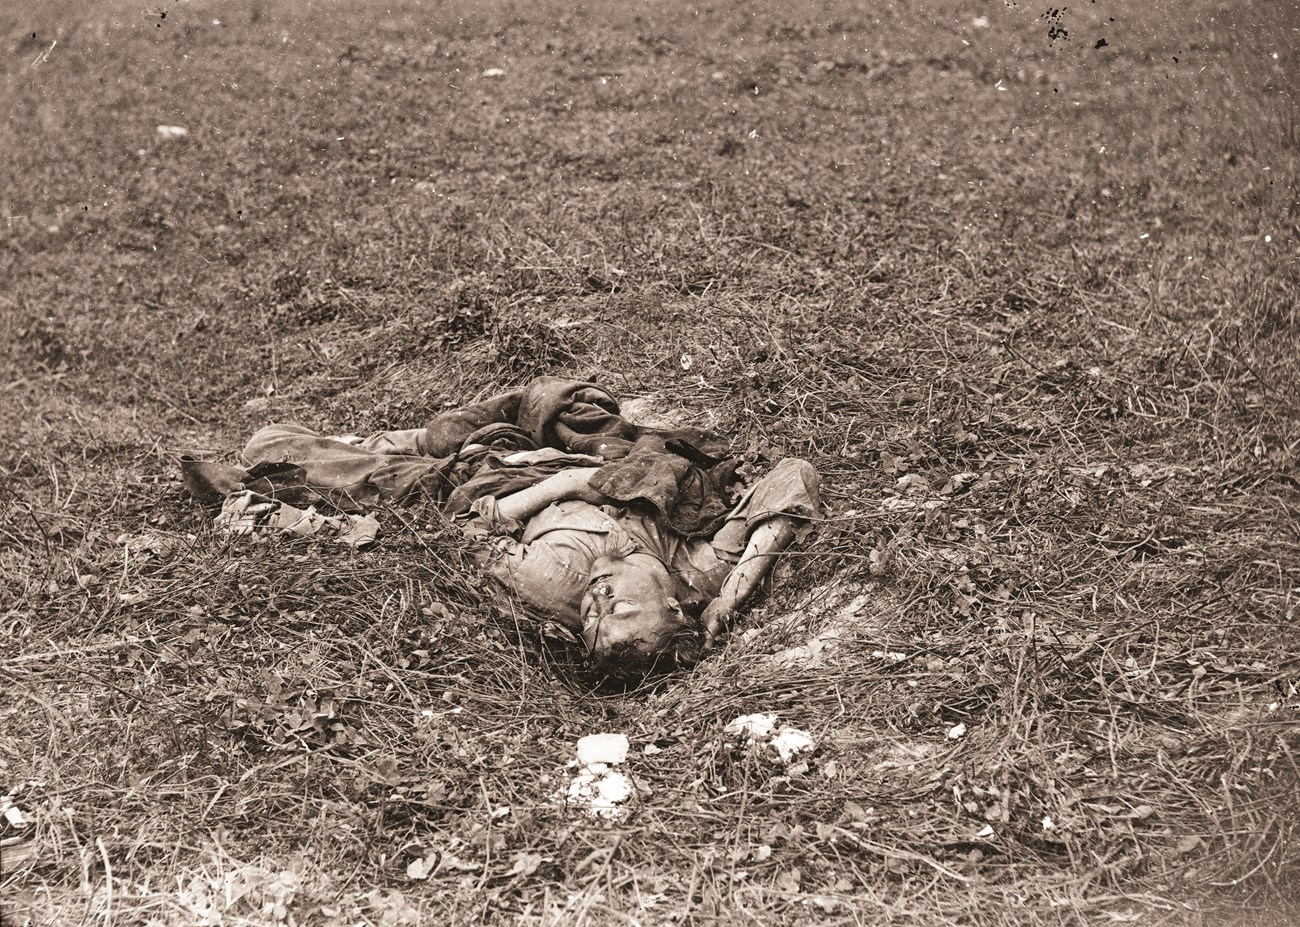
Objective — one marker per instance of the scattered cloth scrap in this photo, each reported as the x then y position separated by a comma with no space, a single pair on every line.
246,512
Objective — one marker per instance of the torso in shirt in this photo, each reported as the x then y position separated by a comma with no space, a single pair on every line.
565,539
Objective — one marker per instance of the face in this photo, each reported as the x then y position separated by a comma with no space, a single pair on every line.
630,618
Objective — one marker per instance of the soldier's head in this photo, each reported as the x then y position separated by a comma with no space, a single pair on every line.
630,618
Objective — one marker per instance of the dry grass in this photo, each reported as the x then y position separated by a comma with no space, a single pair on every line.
904,270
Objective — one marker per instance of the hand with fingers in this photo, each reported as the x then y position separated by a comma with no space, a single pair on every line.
716,619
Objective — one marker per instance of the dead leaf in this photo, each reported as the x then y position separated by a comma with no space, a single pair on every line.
854,812
421,868
912,483
455,863
788,881
525,864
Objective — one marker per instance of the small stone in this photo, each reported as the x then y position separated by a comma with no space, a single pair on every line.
610,749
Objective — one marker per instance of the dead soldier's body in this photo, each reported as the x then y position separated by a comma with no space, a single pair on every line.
642,542
631,587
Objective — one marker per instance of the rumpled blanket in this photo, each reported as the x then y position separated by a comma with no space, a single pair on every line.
494,447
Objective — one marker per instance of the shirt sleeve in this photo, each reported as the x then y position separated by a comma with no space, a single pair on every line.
484,521
792,488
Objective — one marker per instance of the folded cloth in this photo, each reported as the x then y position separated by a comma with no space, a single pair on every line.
683,472
569,415
690,492
464,454
449,431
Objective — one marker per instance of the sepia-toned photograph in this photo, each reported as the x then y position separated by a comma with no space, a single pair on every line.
572,463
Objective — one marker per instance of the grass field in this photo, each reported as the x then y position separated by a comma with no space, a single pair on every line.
1053,280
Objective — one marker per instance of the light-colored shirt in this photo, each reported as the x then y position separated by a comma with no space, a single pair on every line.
548,561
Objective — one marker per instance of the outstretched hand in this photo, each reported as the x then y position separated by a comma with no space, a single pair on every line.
765,542
716,619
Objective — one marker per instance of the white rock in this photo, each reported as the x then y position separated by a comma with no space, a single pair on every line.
611,789
595,787
494,72
172,132
957,731
610,749
601,794
752,726
789,742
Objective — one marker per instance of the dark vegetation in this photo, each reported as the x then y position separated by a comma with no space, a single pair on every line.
1052,280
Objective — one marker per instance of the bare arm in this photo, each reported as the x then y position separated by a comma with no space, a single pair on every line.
532,571
768,540
569,484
